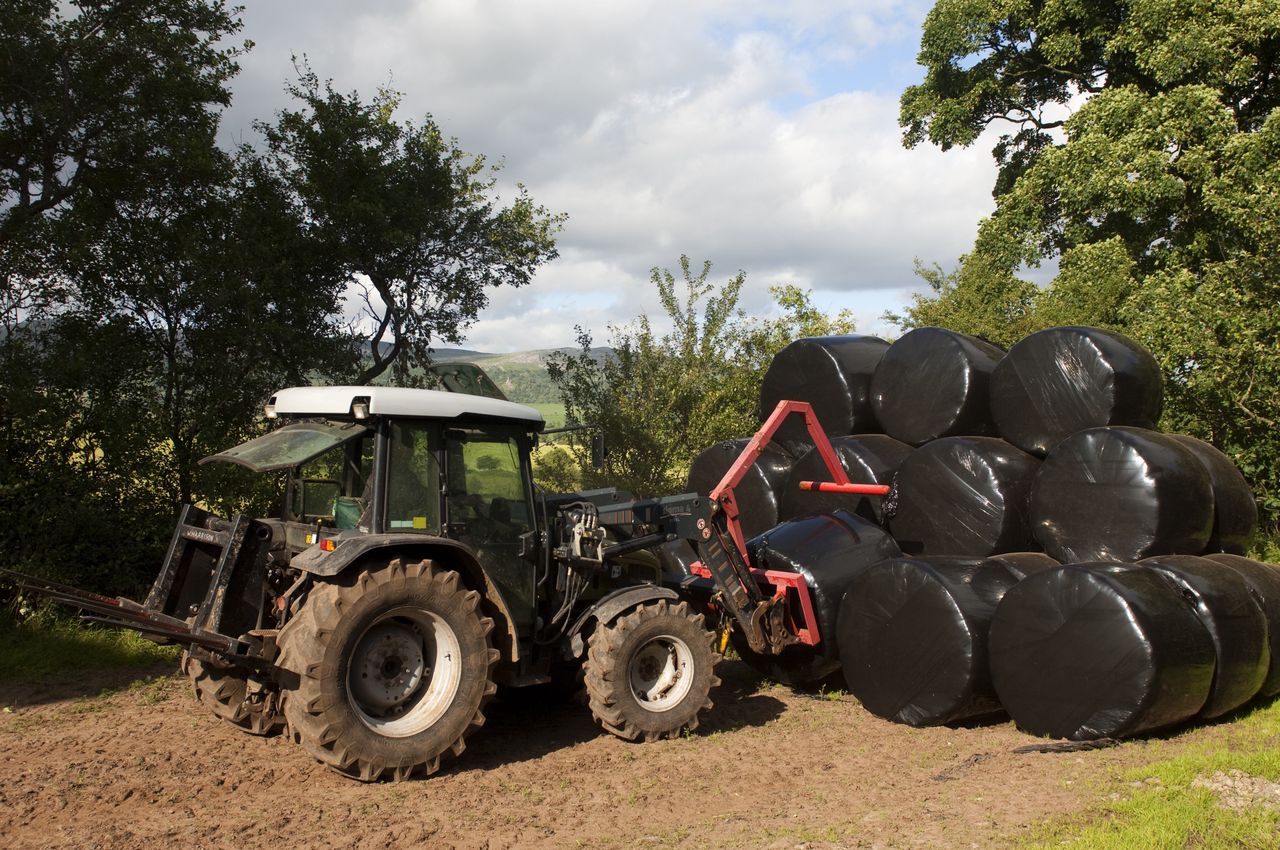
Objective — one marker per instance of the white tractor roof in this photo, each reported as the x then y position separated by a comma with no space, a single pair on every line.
399,401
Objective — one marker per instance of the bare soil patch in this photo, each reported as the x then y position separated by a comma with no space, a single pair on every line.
145,766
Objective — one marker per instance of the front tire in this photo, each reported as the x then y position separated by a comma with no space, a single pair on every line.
649,674
225,691
394,666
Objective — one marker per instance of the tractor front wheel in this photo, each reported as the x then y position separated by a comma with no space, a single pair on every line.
649,673
393,666
227,692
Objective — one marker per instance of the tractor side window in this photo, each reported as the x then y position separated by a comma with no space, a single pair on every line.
413,476
487,491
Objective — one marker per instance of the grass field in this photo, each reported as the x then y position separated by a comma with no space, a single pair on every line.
53,643
1214,794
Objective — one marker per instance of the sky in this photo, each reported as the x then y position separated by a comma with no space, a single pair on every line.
761,136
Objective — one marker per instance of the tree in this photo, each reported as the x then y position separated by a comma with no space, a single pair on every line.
88,99
406,216
1155,197
659,399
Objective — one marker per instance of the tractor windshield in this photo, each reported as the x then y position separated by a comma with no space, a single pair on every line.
291,445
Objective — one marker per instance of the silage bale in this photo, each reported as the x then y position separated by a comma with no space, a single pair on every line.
913,638
1058,381
1023,564
1235,513
1121,494
964,496
676,557
866,459
1264,579
831,373
1088,651
933,383
1225,604
758,493
829,550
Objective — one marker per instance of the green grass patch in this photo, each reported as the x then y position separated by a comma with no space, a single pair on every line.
55,643
552,412
1213,794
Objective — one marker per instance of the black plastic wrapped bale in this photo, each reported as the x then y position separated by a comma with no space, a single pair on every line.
1062,380
1121,494
1023,564
867,459
964,496
933,383
829,550
1235,513
1089,651
1227,606
831,373
758,493
676,558
1265,581
913,638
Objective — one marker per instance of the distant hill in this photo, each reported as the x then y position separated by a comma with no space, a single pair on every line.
521,375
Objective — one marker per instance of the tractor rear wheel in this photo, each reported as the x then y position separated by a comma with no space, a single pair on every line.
394,665
225,690
649,674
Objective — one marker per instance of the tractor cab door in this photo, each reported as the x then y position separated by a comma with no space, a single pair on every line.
489,506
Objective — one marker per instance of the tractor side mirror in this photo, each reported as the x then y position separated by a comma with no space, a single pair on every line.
598,451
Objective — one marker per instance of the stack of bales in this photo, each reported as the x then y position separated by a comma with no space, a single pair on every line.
1045,530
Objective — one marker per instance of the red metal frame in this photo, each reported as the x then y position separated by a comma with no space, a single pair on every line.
723,495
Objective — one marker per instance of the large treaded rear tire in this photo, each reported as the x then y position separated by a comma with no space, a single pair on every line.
649,674
367,724
223,690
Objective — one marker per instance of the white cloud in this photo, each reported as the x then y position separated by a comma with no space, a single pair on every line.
707,127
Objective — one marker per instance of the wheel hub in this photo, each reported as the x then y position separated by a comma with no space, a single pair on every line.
388,666
660,673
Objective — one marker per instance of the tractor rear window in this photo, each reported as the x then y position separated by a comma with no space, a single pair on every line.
290,446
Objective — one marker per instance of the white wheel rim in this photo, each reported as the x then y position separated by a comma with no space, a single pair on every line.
405,672
661,673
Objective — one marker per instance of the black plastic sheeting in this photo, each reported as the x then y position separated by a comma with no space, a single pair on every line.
758,493
867,459
964,496
830,551
1226,605
833,374
1089,651
1264,579
1023,564
913,638
933,383
1121,494
1235,513
676,558
1062,380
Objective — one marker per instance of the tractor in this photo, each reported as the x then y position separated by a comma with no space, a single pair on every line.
415,567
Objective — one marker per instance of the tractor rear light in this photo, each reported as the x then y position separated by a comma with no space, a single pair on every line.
327,545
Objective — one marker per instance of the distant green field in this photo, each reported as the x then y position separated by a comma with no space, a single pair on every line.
553,412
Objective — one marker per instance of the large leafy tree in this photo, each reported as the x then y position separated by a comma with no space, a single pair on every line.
1142,157
660,398
408,218
92,92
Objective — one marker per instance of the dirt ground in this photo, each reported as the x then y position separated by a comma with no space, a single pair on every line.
145,766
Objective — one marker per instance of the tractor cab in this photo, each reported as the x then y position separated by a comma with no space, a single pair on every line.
387,460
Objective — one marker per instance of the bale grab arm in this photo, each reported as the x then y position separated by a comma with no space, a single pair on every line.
723,546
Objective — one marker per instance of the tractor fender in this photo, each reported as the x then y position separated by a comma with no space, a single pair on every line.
608,608
360,549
